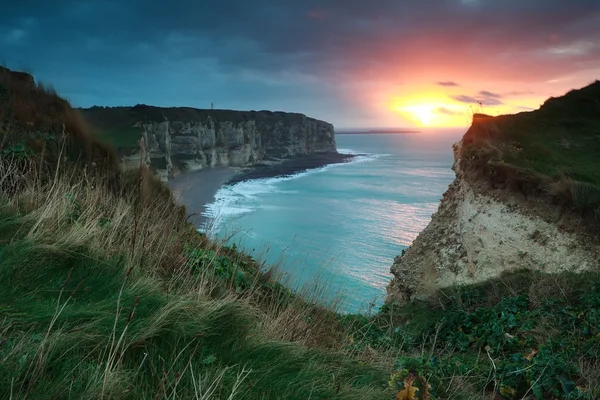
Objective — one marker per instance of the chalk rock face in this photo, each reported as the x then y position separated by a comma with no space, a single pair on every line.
186,139
475,236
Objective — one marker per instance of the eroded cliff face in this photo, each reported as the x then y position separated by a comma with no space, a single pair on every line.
185,139
478,233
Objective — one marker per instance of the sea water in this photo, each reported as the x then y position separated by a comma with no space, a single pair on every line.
342,224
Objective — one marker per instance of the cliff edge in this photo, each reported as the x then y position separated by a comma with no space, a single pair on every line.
187,139
526,196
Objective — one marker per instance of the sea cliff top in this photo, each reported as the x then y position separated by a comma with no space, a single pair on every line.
550,153
110,117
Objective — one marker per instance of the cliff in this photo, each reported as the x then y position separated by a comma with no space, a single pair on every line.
109,254
526,196
186,139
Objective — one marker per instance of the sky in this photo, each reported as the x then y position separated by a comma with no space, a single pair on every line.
354,63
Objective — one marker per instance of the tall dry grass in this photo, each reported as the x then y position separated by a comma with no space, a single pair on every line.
105,294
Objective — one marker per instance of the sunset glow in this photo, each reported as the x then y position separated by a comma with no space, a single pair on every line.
447,104
420,113
352,63
428,107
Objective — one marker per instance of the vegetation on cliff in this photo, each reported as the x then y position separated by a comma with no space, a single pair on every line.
549,153
115,124
524,335
107,292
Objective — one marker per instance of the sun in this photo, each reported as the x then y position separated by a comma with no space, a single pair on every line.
419,113
426,109
423,113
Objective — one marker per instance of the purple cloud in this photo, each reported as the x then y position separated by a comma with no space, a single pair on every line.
485,100
485,93
444,110
447,83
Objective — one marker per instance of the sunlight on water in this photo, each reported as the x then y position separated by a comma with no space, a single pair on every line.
344,223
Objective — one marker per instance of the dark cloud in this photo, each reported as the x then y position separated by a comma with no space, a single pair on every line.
296,53
486,101
447,83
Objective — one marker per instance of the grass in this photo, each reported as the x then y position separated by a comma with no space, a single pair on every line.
35,120
555,147
107,292
100,301
122,138
523,335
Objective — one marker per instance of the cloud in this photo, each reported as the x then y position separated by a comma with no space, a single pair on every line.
317,14
15,36
465,99
518,93
285,54
485,100
447,111
523,108
487,94
447,83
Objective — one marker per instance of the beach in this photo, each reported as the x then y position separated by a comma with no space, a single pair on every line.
289,166
197,189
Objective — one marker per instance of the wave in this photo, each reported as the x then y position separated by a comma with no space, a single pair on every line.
240,198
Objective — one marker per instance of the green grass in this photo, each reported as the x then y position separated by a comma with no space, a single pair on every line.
106,292
77,325
558,142
124,137
83,319
523,334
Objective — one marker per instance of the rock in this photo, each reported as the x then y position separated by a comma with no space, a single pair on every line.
190,139
21,78
433,262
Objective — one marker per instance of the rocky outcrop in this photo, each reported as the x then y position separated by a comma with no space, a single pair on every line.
186,139
19,78
526,196
479,233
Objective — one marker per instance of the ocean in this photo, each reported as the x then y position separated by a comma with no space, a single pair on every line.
342,224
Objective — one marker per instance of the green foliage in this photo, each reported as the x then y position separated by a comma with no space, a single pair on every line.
67,314
530,150
221,266
121,137
527,333
18,151
3,94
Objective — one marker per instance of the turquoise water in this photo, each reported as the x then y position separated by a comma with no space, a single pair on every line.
343,223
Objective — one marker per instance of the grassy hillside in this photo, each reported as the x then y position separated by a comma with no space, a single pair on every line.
525,335
551,152
107,292
99,301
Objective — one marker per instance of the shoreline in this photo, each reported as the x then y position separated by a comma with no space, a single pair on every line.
289,166
195,190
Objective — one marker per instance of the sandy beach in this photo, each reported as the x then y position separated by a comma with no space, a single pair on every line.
197,189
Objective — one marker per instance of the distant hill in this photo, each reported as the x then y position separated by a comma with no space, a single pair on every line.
385,131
